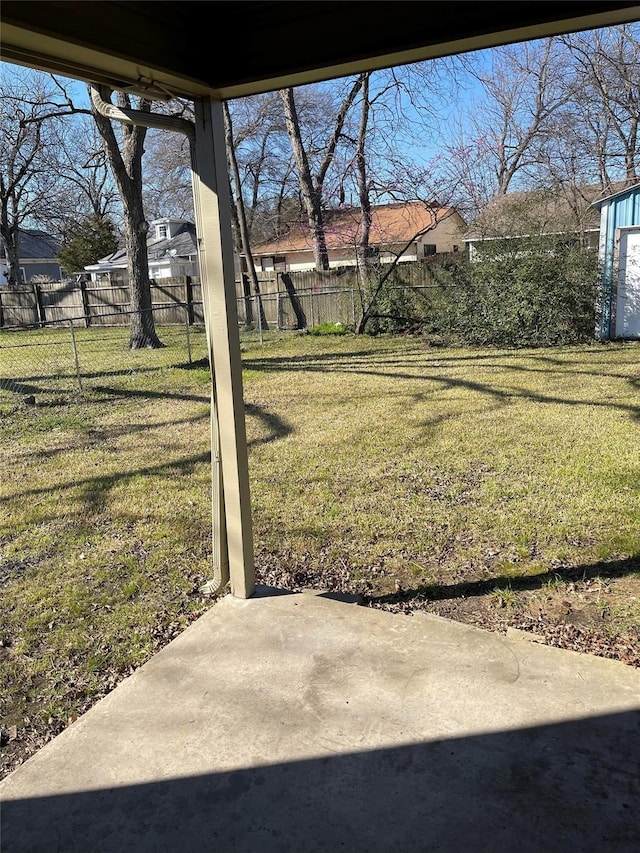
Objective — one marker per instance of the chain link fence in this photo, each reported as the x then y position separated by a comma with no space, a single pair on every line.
62,356
72,353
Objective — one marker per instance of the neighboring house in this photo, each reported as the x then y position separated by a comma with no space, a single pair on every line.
172,250
37,253
619,255
409,230
567,212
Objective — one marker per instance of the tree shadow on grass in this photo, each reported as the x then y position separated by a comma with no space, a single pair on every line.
147,394
367,364
275,427
428,356
469,589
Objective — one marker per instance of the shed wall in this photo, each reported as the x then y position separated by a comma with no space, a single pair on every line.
622,211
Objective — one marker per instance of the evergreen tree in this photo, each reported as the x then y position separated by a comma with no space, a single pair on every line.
92,239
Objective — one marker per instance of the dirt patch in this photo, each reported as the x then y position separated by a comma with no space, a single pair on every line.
594,610
557,623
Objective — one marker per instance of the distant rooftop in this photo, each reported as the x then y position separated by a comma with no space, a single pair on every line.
35,244
542,211
391,224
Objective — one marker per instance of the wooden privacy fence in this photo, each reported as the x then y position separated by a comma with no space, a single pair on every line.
286,300
98,303
301,300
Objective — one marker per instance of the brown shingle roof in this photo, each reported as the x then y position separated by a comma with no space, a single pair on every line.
543,211
397,223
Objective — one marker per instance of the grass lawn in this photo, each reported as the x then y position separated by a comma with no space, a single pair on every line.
496,487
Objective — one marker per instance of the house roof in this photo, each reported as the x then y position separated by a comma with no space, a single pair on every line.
183,244
541,211
392,224
35,244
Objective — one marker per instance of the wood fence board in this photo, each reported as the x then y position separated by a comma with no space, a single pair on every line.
287,299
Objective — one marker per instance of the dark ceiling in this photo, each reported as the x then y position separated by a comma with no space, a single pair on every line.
229,49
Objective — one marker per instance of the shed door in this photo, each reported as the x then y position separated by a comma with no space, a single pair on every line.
628,302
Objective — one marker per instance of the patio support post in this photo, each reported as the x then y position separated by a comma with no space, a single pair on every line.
232,531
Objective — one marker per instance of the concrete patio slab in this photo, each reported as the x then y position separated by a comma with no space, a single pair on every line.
297,722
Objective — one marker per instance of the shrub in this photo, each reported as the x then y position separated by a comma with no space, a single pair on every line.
542,293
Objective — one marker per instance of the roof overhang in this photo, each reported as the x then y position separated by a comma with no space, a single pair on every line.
631,189
232,49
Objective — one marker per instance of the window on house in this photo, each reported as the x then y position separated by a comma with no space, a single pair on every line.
163,230
280,264
428,249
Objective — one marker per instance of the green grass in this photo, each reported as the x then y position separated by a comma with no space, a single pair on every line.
328,329
373,462
501,462
50,363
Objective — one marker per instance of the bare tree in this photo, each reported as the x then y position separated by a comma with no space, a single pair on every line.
523,88
167,176
311,186
606,112
361,173
429,193
85,190
241,225
28,175
124,149
265,164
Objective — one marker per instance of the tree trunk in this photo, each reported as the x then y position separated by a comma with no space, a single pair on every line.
361,172
142,332
310,196
12,255
248,301
241,214
126,166
301,320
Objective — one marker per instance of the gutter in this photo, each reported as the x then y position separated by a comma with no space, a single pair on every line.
130,116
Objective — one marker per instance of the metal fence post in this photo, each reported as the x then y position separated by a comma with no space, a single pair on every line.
259,308
186,327
75,354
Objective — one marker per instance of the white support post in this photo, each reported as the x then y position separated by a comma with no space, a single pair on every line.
232,531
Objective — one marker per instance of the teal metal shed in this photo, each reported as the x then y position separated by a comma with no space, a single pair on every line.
619,256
